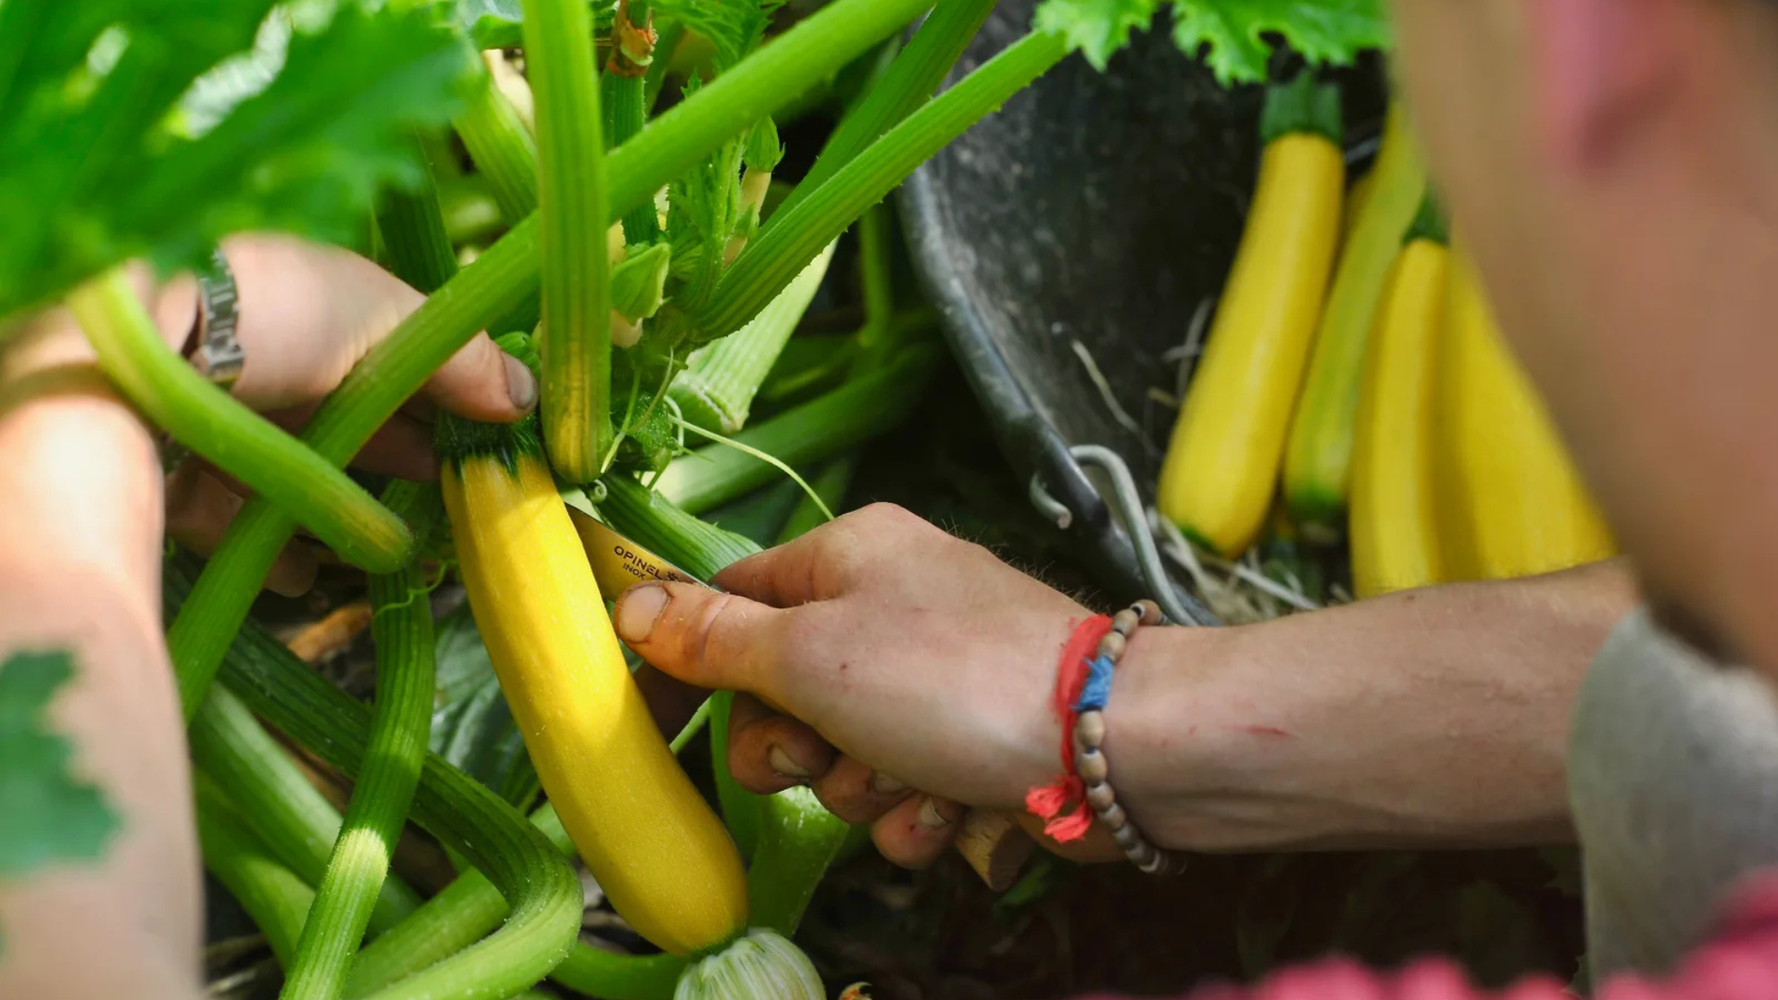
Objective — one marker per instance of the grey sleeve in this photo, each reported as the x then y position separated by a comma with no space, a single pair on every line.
1673,782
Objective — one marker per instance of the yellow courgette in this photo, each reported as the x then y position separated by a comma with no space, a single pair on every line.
1317,460
1393,519
1517,506
1221,467
657,849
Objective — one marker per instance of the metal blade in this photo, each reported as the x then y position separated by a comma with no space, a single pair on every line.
619,563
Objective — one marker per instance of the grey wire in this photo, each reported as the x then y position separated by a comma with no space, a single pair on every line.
1133,514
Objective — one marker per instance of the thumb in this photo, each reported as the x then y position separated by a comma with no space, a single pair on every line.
709,639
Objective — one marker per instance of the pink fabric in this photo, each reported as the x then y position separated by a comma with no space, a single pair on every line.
1739,963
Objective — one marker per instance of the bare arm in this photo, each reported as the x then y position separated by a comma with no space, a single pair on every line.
1433,718
1436,717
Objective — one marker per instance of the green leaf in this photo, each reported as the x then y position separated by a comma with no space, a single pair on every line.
46,814
733,27
499,24
472,727
154,127
1233,33
1097,28
1234,37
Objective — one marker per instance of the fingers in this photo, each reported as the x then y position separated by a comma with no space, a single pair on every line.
828,561
482,382
199,510
916,832
769,752
704,638
857,794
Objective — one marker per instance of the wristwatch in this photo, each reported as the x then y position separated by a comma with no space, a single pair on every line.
218,356
211,346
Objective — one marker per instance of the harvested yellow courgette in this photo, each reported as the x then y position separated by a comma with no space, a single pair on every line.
1517,506
1221,467
1317,460
1393,518
657,849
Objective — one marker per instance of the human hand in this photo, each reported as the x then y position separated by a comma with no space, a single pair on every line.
919,665
308,314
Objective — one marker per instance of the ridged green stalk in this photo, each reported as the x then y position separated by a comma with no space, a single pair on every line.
401,722
467,909
466,817
811,432
830,484
275,797
716,389
798,839
799,232
412,227
501,147
206,419
623,95
676,535
274,896
912,76
500,279
576,283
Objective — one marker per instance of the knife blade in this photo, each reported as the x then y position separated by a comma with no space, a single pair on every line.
620,563
993,844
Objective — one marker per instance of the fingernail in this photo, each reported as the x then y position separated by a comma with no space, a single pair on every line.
637,611
931,817
521,385
882,784
784,767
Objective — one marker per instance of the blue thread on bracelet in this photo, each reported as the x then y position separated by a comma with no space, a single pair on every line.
1097,690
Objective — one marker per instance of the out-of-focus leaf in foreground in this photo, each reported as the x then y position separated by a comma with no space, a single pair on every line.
46,813
150,128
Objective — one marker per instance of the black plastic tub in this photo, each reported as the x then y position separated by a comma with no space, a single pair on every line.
1070,241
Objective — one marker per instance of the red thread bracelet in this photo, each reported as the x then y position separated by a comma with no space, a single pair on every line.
1048,802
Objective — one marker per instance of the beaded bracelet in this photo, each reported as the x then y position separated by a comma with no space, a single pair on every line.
1083,686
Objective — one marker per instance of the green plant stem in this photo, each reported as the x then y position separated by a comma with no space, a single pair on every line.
294,820
461,913
274,896
799,232
205,418
676,535
805,434
831,484
656,77
413,230
877,339
544,894
501,146
623,97
576,282
716,389
499,280
741,809
798,839
401,722
908,83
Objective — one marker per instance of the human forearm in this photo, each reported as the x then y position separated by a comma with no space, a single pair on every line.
1428,718
79,570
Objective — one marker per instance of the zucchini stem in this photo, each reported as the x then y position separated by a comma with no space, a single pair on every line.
799,232
412,227
401,722
576,276
274,896
501,147
205,418
544,894
294,819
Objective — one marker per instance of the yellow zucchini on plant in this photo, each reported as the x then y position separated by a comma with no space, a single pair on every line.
1393,520
1518,506
656,847
1318,459
1221,466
